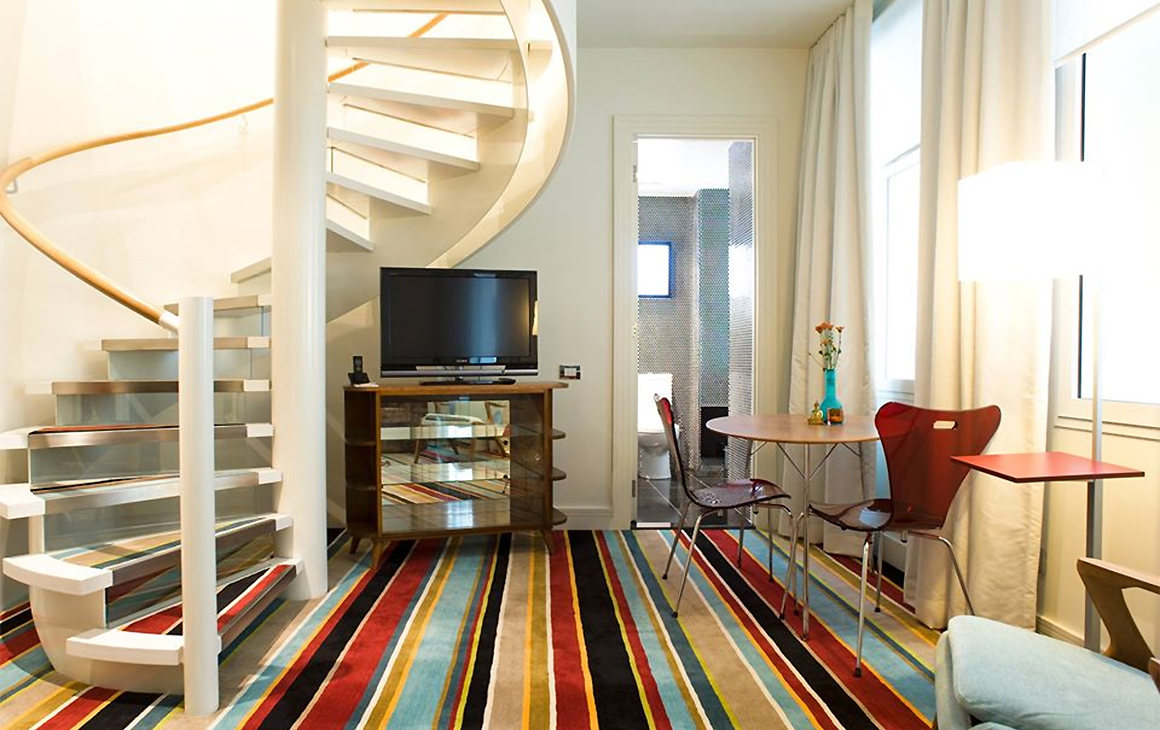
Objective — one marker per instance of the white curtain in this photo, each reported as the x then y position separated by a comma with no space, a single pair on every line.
833,256
986,100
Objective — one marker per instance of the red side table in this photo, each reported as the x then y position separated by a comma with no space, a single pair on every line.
1056,466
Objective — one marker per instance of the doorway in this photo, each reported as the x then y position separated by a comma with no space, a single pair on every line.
694,314
766,326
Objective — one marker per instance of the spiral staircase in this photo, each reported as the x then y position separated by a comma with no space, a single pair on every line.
445,118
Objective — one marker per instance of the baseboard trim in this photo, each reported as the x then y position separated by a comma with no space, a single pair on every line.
1055,631
586,518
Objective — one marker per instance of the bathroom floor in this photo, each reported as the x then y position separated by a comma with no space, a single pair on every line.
659,501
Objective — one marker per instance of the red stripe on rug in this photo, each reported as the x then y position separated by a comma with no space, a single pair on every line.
652,694
346,687
875,695
13,646
274,695
789,675
250,596
78,709
161,622
567,662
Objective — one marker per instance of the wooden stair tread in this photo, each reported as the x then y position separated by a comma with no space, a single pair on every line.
116,387
61,497
110,434
169,344
234,305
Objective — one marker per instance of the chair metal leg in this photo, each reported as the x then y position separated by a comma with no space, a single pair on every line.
676,539
689,561
790,584
806,576
879,547
958,573
741,538
954,563
862,604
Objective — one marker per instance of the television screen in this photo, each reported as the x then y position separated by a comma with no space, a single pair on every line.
459,321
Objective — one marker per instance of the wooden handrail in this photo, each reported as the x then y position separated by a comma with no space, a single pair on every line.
80,269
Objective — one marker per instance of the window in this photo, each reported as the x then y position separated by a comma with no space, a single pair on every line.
654,271
895,128
1114,90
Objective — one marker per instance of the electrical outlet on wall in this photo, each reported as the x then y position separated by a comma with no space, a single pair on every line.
569,372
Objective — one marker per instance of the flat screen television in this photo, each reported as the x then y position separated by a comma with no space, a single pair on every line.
458,322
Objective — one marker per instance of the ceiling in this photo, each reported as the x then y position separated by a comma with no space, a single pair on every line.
712,23
681,167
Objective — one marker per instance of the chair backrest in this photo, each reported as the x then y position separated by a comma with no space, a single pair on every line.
665,409
919,443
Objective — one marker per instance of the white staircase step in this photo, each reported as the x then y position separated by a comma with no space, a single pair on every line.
129,647
17,502
16,439
150,637
354,172
25,500
239,306
348,223
169,344
117,387
380,131
100,567
252,271
400,29
428,88
45,571
420,6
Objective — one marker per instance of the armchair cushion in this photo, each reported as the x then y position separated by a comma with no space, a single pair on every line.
1012,676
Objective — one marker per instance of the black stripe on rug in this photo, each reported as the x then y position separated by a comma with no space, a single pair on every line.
122,711
616,695
294,700
848,712
475,705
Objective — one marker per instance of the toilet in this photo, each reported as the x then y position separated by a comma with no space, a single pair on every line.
652,454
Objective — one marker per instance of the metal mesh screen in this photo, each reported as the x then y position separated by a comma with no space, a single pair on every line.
741,278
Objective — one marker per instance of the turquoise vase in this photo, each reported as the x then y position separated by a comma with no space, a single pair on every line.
831,398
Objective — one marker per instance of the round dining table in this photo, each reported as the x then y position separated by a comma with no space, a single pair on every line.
783,429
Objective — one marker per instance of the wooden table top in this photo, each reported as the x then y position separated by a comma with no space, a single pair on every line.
792,428
1046,466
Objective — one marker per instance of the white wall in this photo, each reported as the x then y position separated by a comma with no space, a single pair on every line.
567,236
167,217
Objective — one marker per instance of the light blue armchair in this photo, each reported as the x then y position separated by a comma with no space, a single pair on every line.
991,676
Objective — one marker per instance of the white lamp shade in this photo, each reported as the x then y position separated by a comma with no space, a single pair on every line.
1031,220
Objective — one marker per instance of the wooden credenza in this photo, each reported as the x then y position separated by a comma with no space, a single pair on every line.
454,459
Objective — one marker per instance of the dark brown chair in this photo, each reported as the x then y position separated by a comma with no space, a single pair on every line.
918,444
717,498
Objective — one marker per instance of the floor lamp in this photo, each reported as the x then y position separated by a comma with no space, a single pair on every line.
1045,220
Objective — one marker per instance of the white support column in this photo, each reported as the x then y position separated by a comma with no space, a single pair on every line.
198,559
298,301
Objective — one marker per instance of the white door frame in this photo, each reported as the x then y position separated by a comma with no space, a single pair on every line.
626,130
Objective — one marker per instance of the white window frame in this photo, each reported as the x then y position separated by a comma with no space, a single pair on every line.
888,388
1120,418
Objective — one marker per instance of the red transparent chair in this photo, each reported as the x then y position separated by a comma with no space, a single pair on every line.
717,498
918,444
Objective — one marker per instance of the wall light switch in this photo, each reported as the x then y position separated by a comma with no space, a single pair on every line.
569,372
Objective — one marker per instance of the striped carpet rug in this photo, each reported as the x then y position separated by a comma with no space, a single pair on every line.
492,631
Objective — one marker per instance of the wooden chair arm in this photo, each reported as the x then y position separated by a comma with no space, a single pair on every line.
1105,583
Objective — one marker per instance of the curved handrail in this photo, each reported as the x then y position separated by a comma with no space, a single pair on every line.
80,269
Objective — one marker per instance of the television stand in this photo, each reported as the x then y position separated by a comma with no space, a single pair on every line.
470,381
489,463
